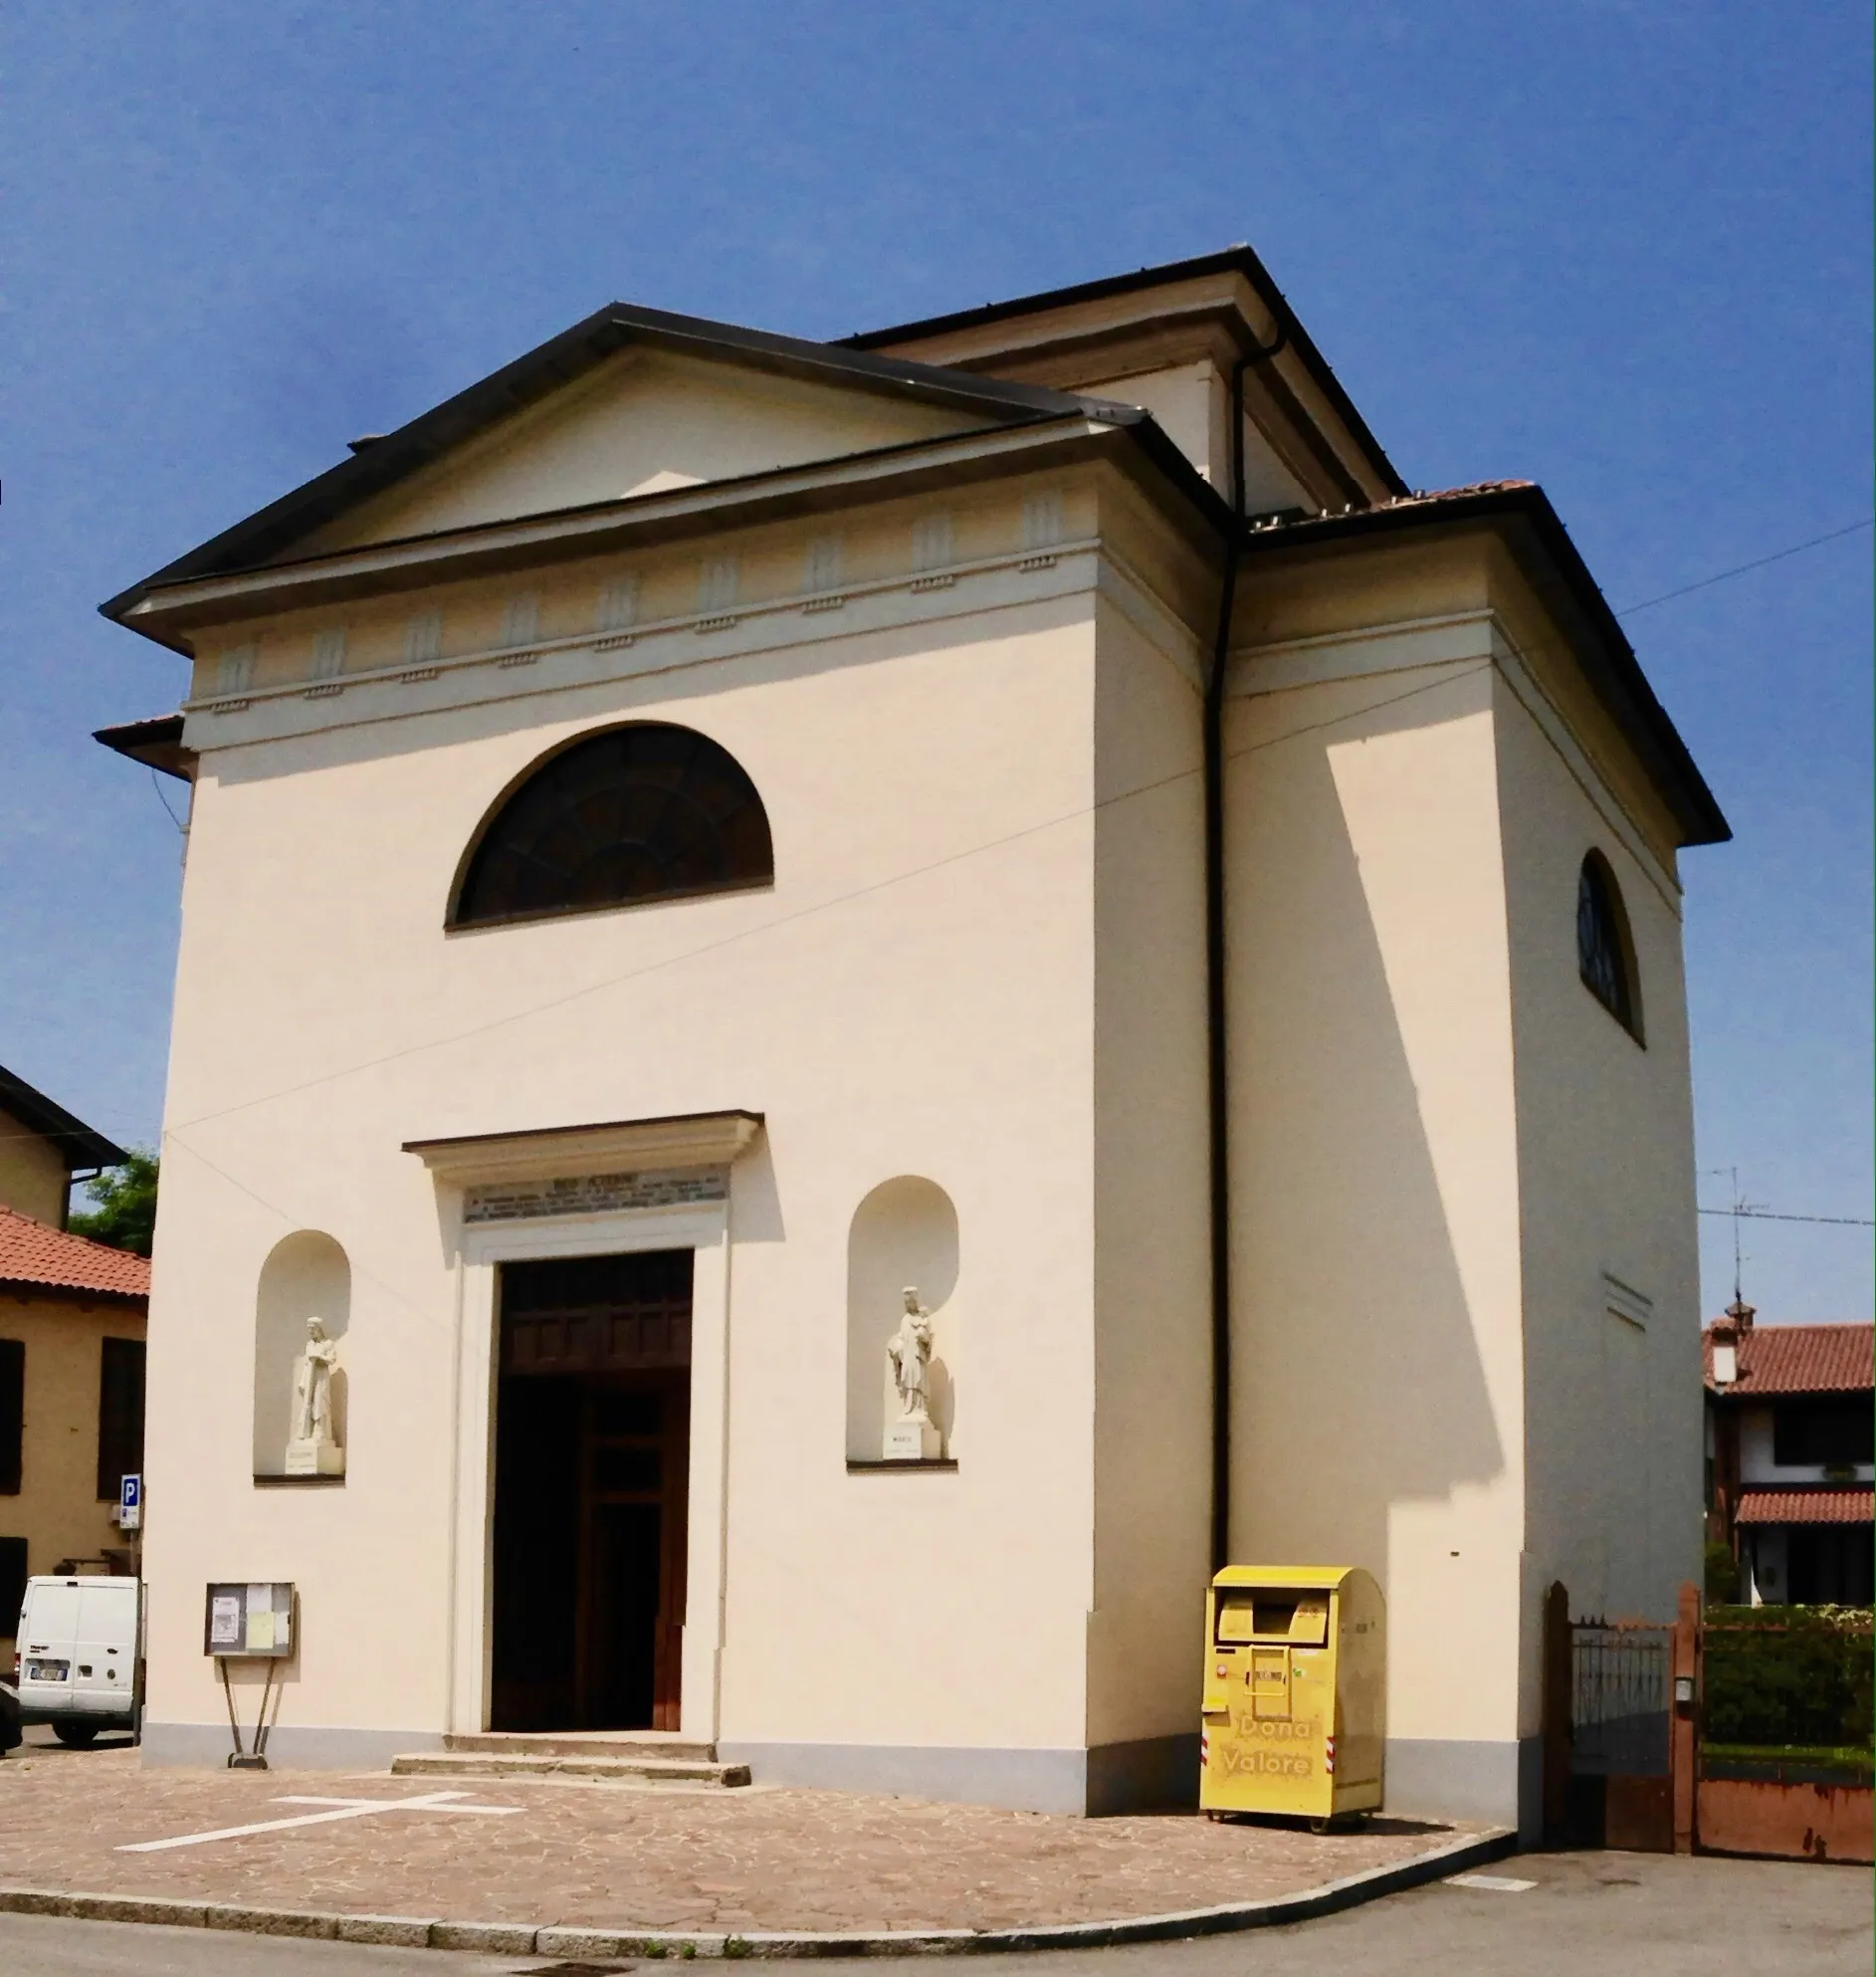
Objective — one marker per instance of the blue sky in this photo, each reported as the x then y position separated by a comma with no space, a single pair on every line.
1620,249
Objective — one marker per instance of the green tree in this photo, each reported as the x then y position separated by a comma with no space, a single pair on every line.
1723,1575
125,1198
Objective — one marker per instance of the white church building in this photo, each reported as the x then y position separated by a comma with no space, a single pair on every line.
704,833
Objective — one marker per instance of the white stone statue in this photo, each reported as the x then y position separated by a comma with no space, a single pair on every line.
912,1437
311,1447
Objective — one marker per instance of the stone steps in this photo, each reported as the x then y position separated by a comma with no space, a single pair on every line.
622,1757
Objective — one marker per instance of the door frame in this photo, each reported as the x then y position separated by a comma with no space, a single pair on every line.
703,1229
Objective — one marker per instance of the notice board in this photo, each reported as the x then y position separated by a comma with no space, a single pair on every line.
250,1620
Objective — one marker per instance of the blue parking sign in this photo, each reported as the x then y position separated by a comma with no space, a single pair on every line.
129,1503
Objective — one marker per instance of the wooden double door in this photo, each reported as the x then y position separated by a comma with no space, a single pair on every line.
592,1459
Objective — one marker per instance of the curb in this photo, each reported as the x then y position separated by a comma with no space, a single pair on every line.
526,1939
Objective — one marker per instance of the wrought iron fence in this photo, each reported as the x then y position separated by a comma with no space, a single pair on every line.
1621,1698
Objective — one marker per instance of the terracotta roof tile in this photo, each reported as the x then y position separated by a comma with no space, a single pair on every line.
1455,494
1798,1358
1848,1504
34,1254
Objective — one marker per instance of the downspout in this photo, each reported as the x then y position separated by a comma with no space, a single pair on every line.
1217,1093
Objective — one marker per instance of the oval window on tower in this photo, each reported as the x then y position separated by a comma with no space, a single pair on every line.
1605,954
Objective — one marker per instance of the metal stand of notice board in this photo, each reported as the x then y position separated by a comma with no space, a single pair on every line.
251,1621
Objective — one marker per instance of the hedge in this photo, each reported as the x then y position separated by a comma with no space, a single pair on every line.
1787,1676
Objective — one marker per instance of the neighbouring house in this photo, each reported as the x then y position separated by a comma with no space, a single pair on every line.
1790,1478
44,1150
1018,838
71,1345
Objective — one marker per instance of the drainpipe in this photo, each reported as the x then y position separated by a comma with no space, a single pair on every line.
1217,1094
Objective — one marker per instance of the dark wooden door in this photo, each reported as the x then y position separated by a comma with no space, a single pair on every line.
593,1456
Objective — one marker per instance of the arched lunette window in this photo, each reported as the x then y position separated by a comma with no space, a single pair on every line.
640,813
1605,954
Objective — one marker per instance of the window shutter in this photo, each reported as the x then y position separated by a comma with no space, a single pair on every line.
12,1412
120,1415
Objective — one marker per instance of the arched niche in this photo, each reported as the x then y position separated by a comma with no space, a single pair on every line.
305,1276
904,1233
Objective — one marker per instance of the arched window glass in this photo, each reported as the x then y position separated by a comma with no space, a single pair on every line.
1603,952
641,812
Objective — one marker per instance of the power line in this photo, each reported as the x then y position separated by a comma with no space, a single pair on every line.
1769,1214
1739,570
814,907
916,872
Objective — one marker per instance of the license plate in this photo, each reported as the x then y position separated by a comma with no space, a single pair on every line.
47,1671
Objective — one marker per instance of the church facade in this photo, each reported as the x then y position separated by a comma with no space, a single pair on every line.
1017,839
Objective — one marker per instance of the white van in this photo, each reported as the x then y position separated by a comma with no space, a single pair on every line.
79,1655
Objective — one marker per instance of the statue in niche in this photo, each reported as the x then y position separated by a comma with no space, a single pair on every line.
311,1447
912,1437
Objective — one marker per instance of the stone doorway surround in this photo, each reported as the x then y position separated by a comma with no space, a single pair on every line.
587,1191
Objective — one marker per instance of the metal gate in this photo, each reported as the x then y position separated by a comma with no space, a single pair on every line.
1608,1731
1627,1718
1621,1698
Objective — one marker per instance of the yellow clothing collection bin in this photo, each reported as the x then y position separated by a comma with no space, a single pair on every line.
1294,1708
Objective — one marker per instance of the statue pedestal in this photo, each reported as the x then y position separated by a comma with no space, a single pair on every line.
911,1439
323,1457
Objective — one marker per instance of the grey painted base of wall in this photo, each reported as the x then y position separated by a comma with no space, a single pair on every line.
1445,1777
1495,1782
1491,1783
290,1747
1110,1778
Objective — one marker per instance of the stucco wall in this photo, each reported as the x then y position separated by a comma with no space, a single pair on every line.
1377,1367
33,1178
1606,1156
913,997
56,1510
1152,1355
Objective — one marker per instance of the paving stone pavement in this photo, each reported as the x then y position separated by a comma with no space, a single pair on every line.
661,1858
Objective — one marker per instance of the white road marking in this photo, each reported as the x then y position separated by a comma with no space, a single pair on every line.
342,1809
1492,1884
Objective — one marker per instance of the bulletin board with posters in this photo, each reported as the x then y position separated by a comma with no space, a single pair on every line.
250,1620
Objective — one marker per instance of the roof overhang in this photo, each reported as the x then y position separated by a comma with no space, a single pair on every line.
168,610
156,742
1286,333
1806,1503
35,1289
549,1153
78,1145
1521,515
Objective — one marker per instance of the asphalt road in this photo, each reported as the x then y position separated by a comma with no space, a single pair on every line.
1641,1916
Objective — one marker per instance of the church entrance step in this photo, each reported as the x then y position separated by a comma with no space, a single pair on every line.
634,1768
580,1743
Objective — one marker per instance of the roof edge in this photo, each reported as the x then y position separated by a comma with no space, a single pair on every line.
535,375
1618,680
51,1121
58,1293
1240,259
742,496
155,741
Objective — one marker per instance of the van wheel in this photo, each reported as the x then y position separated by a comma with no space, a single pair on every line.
76,1736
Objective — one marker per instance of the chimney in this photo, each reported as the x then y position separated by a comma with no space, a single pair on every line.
1727,1333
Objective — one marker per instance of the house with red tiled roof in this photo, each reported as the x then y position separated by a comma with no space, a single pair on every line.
1790,1483
72,1337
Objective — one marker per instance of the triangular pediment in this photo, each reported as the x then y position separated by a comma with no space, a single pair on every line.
644,421
629,402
